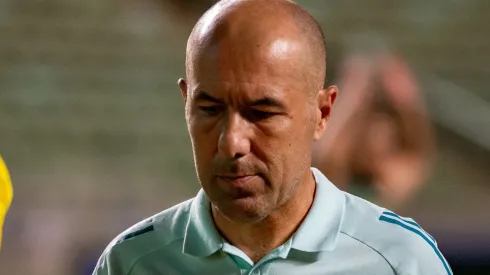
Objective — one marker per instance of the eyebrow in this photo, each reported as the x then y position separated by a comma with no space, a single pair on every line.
204,96
266,101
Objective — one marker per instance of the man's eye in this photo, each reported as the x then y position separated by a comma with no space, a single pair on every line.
209,110
257,115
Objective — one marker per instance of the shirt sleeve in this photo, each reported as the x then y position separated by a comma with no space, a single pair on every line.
428,260
410,249
103,266
113,262
420,255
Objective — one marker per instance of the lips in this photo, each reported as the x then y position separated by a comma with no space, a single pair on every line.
238,180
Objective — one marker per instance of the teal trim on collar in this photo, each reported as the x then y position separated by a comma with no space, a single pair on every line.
201,237
321,227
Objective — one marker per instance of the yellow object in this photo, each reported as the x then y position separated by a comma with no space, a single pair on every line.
6,194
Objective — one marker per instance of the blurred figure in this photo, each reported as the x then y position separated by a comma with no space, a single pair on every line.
6,194
378,144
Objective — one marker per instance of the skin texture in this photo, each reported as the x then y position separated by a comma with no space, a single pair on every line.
255,103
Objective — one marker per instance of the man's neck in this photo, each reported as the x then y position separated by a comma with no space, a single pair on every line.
256,240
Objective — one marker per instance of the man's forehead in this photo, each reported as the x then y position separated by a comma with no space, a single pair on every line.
277,61
242,49
244,90
248,77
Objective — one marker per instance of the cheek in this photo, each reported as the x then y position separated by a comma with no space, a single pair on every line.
204,144
288,146
201,131
300,144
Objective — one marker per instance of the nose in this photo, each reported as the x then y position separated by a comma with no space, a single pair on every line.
234,141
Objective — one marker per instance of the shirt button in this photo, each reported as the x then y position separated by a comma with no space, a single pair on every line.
256,272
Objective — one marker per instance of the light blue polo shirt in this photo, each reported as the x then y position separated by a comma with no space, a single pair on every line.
342,235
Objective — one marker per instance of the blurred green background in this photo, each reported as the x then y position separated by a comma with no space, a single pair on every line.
92,122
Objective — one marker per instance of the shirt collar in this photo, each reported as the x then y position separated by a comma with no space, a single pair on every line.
320,229
201,238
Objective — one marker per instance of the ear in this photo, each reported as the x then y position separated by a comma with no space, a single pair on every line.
183,88
326,98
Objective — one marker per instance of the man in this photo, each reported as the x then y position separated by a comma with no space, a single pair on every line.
5,194
379,143
254,104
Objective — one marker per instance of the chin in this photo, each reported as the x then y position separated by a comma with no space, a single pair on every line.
242,210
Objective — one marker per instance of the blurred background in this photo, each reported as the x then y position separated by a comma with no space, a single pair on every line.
92,122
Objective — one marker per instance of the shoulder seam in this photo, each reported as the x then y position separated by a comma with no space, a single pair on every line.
154,250
372,248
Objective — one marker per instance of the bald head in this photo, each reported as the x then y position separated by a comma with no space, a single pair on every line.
261,30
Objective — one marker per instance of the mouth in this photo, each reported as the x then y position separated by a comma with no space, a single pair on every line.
237,180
